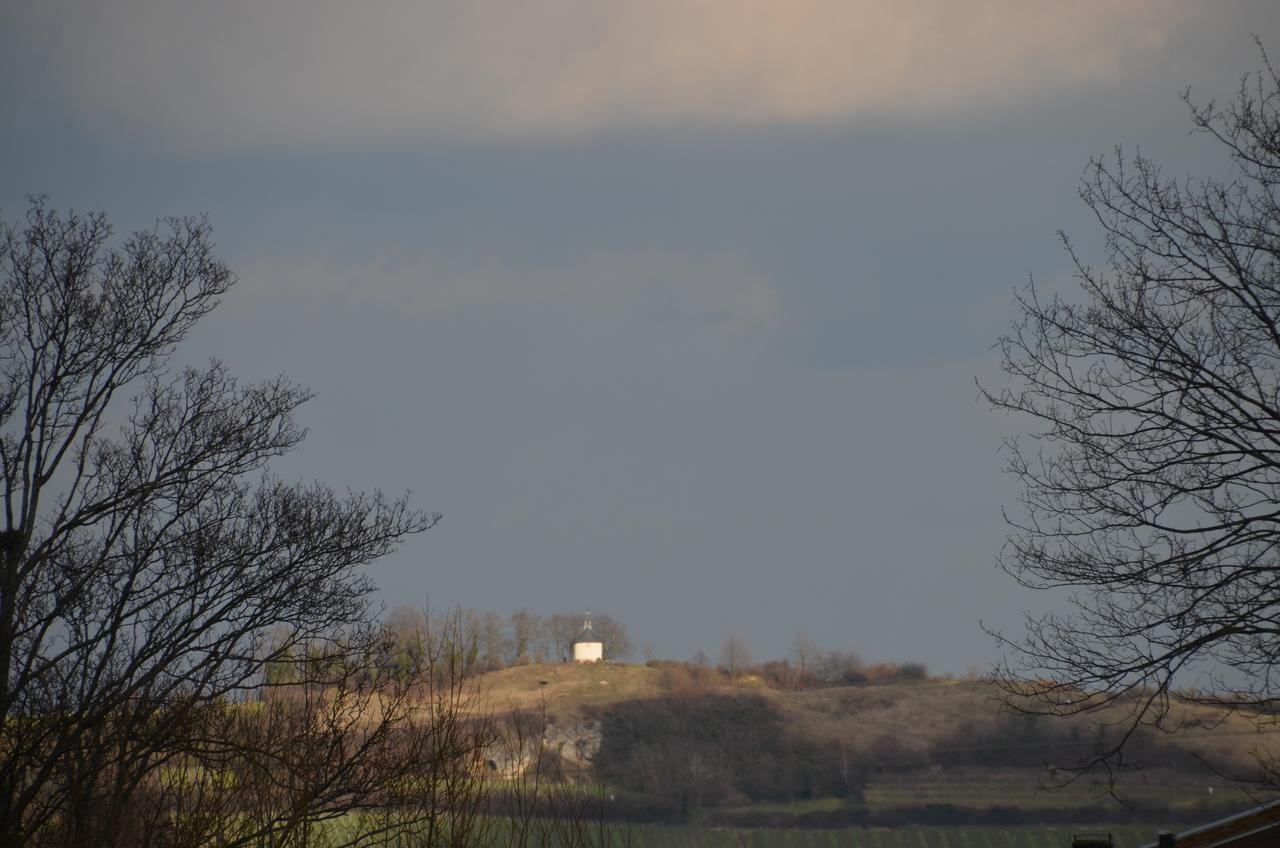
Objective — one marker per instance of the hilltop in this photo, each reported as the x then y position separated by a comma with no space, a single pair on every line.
568,688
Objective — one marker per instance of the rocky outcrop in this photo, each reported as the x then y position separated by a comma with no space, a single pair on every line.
577,741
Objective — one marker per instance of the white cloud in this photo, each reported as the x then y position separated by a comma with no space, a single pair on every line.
247,73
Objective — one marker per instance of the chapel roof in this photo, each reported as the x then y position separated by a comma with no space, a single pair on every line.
587,634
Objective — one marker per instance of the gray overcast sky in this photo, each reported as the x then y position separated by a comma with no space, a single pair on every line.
673,308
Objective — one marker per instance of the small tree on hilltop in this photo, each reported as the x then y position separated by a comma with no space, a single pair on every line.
805,651
613,634
561,630
735,656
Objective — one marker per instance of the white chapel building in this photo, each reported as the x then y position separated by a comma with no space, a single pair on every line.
587,647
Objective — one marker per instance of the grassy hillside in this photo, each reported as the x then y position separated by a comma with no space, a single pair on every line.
567,688
895,727
932,752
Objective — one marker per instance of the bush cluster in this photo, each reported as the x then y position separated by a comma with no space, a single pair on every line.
693,752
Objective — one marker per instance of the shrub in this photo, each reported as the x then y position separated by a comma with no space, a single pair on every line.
715,749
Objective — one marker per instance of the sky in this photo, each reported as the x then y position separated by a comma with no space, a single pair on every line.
676,310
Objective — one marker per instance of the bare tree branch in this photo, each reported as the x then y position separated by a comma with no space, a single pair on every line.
141,572
1151,484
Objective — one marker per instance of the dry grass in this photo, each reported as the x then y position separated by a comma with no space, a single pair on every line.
566,688
911,720
917,715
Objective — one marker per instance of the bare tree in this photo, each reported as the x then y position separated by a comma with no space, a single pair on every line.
397,756
525,627
805,651
144,571
408,627
408,623
546,797
561,630
838,668
735,656
492,641
1152,481
613,636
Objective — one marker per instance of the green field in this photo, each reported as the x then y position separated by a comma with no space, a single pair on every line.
662,836
1024,793
653,836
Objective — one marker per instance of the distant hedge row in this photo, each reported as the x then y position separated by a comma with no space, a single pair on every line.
950,815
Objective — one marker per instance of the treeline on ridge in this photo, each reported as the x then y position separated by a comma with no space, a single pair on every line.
471,640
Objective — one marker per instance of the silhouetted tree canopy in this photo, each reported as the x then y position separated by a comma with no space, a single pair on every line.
152,569
1151,484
